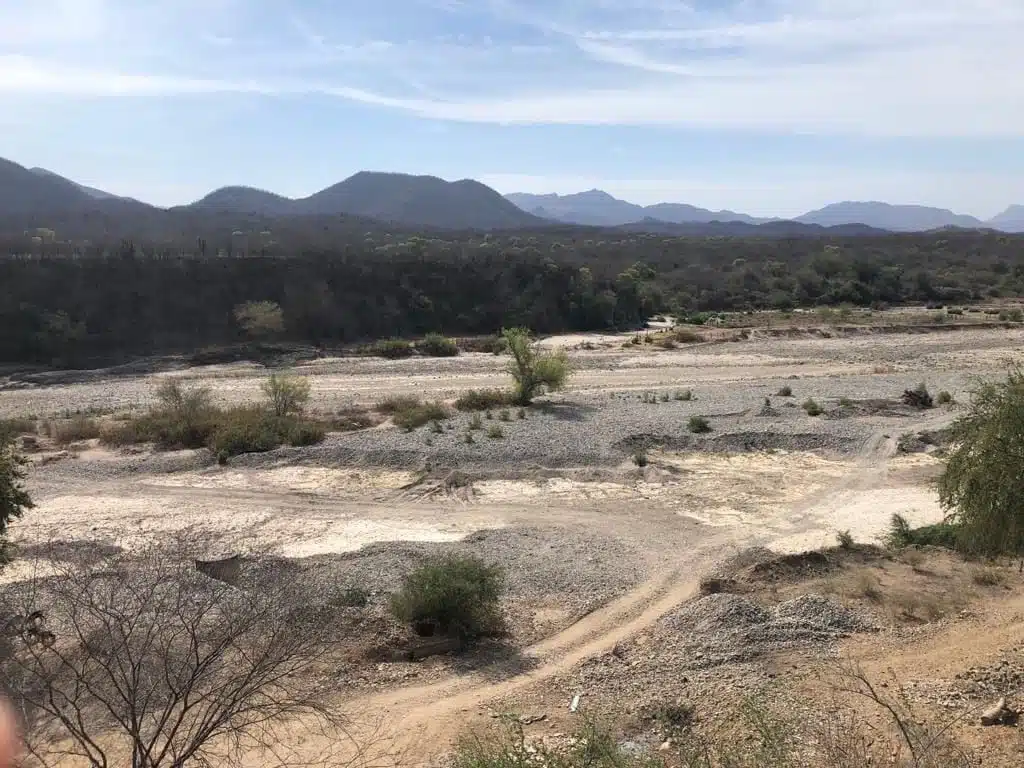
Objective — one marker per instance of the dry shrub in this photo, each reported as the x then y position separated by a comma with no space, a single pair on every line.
73,430
484,399
866,585
987,577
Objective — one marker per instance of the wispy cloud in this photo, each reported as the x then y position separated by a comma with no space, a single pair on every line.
861,67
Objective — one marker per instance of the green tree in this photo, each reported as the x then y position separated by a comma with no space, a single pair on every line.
982,486
260,319
534,371
286,394
14,499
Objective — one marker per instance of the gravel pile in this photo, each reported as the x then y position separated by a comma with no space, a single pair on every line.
723,628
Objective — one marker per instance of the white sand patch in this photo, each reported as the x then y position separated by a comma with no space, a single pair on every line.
289,479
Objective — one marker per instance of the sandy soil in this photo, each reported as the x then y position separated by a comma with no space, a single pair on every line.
682,512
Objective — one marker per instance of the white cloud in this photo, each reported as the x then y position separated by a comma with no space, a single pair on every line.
842,67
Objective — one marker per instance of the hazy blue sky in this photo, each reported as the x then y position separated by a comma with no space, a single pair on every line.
764,106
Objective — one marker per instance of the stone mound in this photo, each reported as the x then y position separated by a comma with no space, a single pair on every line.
722,628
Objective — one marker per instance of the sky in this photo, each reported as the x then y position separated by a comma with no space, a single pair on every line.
770,107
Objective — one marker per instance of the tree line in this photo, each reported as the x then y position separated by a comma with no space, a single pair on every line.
79,304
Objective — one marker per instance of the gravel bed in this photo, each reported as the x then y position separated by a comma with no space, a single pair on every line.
581,429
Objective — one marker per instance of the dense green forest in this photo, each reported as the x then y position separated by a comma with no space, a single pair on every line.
80,305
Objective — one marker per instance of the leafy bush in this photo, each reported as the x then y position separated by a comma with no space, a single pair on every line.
812,408
454,594
698,425
286,395
253,430
785,391
436,345
534,371
484,399
393,349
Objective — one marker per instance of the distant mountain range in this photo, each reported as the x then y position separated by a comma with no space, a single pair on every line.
598,208
34,197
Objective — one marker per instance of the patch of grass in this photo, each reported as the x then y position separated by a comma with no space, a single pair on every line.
469,439
350,419
698,425
649,398
495,432
253,430
867,586
397,403
944,398
845,540
352,597
900,535
671,718
436,345
393,349
684,395
987,577
812,408
13,427
786,391
491,345
451,594
484,399
437,427
686,336
505,415
476,422
845,402
521,414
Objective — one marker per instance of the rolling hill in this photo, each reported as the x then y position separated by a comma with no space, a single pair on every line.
897,218
598,208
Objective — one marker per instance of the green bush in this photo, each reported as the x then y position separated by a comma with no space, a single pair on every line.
14,499
452,594
812,408
420,415
900,535
534,371
686,336
436,345
944,398
249,430
698,425
484,399
982,484
287,395
393,349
